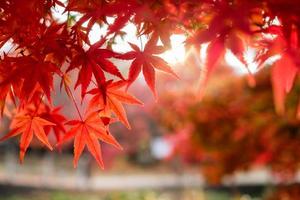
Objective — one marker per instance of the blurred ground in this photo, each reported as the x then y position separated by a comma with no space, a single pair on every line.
49,176
12,193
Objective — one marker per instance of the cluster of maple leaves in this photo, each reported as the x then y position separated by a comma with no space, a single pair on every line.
43,48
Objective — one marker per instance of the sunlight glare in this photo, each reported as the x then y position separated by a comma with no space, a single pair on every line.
238,66
177,52
173,56
121,44
203,53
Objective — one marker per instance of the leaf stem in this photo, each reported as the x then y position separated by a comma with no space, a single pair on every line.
141,42
70,93
74,102
38,105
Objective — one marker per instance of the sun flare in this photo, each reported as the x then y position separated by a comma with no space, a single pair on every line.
177,53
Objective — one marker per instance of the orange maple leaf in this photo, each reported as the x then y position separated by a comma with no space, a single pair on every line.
86,133
113,101
28,126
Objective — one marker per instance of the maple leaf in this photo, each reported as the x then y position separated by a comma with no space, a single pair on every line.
112,102
283,75
54,116
87,132
119,23
4,91
93,62
33,73
7,99
236,45
53,43
28,126
146,61
215,51
96,12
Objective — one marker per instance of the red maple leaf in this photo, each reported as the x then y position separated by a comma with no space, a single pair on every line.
93,62
146,61
283,76
96,12
32,72
112,103
28,125
215,51
54,116
87,132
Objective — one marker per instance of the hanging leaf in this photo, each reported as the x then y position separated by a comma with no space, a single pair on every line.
146,61
93,62
28,126
87,132
215,51
283,76
113,102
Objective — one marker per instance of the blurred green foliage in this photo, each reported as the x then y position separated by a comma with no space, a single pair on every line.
127,195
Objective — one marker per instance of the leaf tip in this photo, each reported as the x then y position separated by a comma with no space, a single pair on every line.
75,164
21,157
50,148
128,126
118,146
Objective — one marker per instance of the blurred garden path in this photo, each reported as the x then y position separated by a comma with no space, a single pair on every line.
105,182
48,171
56,172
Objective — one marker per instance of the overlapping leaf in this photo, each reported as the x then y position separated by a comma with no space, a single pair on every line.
215,51
283,75
32,72
146,61
113,102
28,126
54,116
93,62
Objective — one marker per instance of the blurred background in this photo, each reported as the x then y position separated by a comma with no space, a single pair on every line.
231,145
